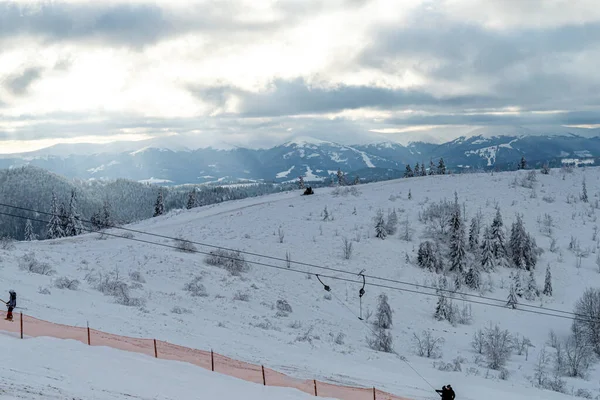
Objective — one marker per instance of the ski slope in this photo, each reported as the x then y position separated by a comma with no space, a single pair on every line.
253,331
46,368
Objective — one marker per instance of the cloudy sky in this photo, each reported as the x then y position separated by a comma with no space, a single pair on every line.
259,72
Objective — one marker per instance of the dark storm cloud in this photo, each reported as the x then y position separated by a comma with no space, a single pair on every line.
19,83
121,24
296,97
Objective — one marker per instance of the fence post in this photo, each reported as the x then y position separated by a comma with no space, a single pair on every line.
21,325
212,361
155,350
315,381
89,335
264,378
374,393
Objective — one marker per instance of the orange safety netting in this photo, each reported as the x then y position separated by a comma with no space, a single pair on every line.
26,326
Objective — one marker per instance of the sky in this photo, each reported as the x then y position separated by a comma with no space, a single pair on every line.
258,72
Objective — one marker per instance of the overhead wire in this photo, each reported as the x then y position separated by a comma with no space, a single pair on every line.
576,317
544,310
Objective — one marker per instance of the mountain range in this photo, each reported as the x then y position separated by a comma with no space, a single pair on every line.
169,162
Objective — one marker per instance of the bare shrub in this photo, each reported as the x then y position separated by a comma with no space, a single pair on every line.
426,345
584,393
29,263
43,290
185,245
437,217
196,288
113,285
7,243
281,234
588,325
66,283
137,276
283,305
549,199
498,347
266,325
579,354
180,310
347,248
307,336
232,261
239,296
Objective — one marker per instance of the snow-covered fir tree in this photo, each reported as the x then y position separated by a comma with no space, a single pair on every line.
443,308
300,182
417,171
380,230
159,206
441,168
356,180
392,222
426,256
487,251
431,167
522,246
408,172
498,240
458,253
548,282
474,231
54,228
584,194
512,298
191,201
531,291
545,169
473,278
383,318
74,225
423,169
523,163
517,283
29,233
64,217
341,180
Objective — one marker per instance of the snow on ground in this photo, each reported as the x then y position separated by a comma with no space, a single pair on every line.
254,331
46,368
285,174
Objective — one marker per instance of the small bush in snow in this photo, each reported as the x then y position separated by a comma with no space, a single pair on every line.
281,314
426,345
112,285
283,305
381,341
30,264
339,339
295,324
549,199
180,310
241,296
185,245
307,336
281,234
504,374
66,283
43,290
347,248
7,243
196,288
232,261
127,235
137,276
584,393
498,346
266,325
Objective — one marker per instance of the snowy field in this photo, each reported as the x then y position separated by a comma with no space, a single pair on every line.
238,317
46,368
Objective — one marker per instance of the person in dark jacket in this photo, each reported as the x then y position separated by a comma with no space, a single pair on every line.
11,304
447,393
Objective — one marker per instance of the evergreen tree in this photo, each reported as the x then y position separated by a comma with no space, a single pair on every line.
523,163
530,252
340,177
356,180
458,252
474,230
545,169
107,220
441,168
417,171
423,169
54,228
159,206
29,233
584,194
439,260
380,230
498,236
408,173
74,226
64,218
392,223
512,299
431,168
426,256
531,291
191,202
473,278
522,246
487,251
383,319
443,308
548,282
517,283
300,182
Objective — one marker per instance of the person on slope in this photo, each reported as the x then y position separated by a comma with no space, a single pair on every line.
11,304
447,393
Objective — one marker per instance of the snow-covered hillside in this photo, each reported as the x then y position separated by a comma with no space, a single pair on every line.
322,338
46,368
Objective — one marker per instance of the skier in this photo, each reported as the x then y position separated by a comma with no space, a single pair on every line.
447,393
11,304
